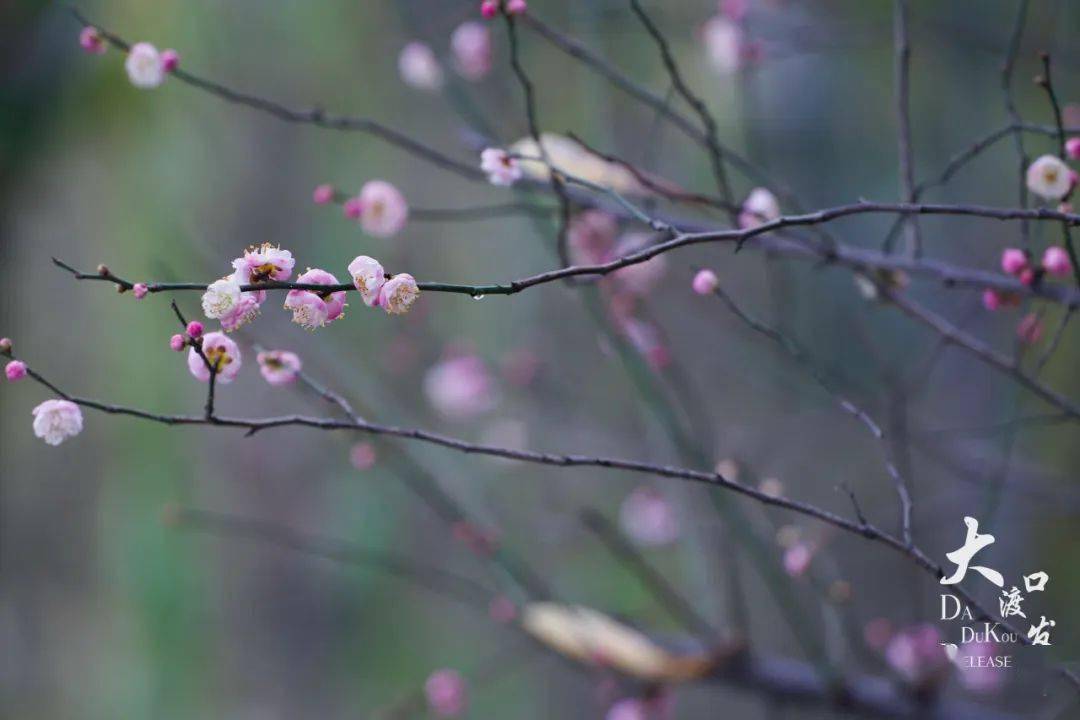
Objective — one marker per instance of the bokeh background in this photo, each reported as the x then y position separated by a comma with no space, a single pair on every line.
106,611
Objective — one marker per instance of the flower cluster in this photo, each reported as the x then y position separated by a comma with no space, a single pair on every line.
1019,263
379,207
490,8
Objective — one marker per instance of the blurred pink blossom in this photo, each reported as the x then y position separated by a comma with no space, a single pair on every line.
460,387
648,518
470,44
445,692
279,367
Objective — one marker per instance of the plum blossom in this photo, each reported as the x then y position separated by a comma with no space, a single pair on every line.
15,370
419,68
279,367
368,276
362,456
398,294
221,352
245,310
139,290
352,208
705,282
1049,177
723,40
916,654
323,194
170,60
1055,261
1014,261
797,559
144,66
648,518
383,209
194,329
313,309
57,420
760,207
221,298
261,263
489,9
460,387
1072,148
590,237
516,7
177,342
991,299
640,278
470,44
501,168
445,693
1030,329
91,41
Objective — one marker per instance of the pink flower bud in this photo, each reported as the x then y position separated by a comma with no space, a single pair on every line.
445,692
1030,329
170,60
516,7
5,345
15,370
194,329
991,299
1056,261
1027,276
353,208
176,342
323,195
1072,148
489,9
91,41
705,282
139,290
1013,261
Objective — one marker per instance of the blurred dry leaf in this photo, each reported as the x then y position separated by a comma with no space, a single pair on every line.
569,156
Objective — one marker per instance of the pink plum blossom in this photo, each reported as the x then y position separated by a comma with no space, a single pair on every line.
991,299
1013,260
57,420
353,208
91,41
470,44
139,290
648,518
315,309
501,168
705,282
419,68
177,342
1027,276
362,456
797,559
194,329
461,387
516,7
261,263
15,370
1049,178
640,278
1072,148
1056,261
279,367
1030,329
170,60
245,310
916,654
760,207
489,9
221,352
323,194
398,294
445,692
383,210
590,237
368,276
144,66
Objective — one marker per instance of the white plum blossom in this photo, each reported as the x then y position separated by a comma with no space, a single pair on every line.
501,169
760,206
419,68
398,294
1049,177
368,276
221,298
57,420
144,66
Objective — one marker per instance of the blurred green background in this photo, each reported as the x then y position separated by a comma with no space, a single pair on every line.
106,612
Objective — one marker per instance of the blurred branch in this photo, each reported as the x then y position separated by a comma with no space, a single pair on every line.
901,41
